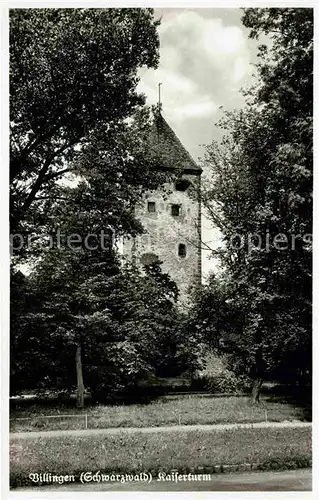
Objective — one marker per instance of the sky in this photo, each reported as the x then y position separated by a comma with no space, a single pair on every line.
206,57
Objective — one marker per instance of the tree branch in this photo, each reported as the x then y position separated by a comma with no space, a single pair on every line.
40,180
57,174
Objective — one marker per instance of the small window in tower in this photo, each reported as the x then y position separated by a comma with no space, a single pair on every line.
176,210
151,206
182,250
182,185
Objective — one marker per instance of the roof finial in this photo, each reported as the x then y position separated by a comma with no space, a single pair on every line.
159,98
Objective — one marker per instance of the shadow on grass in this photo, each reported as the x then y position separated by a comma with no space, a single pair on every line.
53,402
298,396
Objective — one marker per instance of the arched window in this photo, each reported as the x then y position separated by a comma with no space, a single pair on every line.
182,250
182,185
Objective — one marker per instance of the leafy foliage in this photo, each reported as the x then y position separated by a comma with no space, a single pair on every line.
126,320
74,110
73,77
260,195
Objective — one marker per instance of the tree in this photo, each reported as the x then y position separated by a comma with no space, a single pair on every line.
74,109
210,316
72,72
261,197
102,327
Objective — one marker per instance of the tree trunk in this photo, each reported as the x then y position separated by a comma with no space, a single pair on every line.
255,393
79,377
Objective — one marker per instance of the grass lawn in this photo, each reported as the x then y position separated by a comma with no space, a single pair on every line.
153,452
166,411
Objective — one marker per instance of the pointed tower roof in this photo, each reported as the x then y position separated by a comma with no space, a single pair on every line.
169,139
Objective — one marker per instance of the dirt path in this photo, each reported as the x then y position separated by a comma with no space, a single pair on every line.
179,428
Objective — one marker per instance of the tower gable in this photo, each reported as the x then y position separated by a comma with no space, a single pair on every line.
169,140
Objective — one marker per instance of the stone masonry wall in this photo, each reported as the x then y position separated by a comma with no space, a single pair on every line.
164,233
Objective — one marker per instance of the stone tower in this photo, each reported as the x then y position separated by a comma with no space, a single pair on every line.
171,218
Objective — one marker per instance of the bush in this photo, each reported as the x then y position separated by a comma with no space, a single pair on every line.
226,382
215,377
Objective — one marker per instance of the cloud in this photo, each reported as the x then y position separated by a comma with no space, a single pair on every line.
219,40
241,68
202,63
198,109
